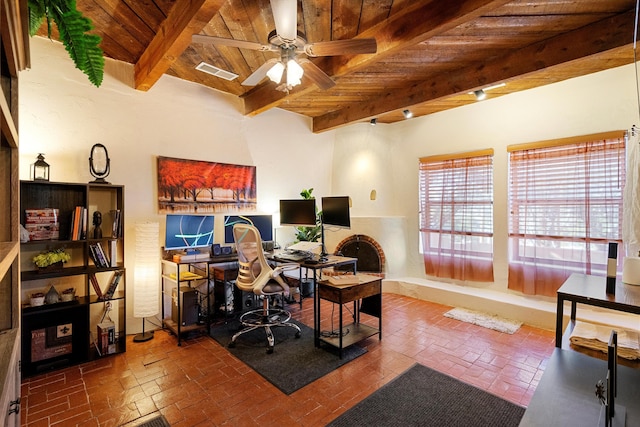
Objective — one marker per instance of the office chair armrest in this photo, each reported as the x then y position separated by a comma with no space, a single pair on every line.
284,267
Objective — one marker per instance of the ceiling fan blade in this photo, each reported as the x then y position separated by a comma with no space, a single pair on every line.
319,77
259,74
285,15
242,44
341,47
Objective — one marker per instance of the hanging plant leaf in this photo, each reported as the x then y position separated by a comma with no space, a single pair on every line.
83,48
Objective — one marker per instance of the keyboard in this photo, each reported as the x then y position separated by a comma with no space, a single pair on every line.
292,256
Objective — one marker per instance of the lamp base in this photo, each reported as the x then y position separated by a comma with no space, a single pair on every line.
145,336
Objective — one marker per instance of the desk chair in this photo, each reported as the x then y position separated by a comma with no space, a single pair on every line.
257,276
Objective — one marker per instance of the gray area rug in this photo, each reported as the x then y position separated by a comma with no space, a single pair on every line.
294,363
423,397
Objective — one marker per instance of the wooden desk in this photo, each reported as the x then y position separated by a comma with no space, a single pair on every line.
566,396
370,290
591,290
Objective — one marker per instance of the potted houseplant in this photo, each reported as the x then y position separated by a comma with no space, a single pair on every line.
51,259
309,234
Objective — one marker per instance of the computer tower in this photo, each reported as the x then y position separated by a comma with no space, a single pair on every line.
188,306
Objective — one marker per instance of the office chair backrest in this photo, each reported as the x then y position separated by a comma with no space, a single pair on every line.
253,266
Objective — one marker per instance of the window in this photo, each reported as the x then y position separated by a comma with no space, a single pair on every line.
565,201
456,215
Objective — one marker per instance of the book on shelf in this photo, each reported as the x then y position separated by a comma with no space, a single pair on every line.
78,223
107,337
113,253
98,255
113,284
116,227
96,285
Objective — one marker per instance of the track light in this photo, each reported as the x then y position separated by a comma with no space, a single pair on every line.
480,94
373,121
407,114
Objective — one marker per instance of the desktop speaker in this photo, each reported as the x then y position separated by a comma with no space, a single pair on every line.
215,249
188,306
226,250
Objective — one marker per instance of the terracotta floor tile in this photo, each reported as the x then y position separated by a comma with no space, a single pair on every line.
159,376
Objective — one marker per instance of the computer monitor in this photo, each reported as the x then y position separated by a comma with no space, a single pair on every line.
188,232
298,212
335,211
264,224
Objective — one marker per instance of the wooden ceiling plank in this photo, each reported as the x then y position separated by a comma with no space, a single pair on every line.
588,41
415,23
317,20
186,18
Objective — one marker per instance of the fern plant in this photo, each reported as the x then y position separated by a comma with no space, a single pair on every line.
83,48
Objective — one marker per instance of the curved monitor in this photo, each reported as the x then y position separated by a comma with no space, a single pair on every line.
298,212
264,224
188,231
335,211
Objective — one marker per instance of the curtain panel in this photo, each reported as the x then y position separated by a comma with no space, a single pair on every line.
565,204
456,215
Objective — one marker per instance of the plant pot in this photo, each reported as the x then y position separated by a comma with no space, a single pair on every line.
58,266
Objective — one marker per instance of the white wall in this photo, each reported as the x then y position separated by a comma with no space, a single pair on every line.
62,115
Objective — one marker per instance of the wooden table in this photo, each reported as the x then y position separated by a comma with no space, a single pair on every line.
565,396
369,291
591,290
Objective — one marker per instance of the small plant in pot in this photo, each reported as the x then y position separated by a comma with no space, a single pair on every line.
51,260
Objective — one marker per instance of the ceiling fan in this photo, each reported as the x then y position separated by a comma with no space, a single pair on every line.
291,44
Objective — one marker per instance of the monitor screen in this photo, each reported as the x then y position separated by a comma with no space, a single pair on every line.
335,211
263,223
188,231
298,212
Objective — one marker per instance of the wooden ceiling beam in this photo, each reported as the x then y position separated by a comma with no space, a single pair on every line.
187,17
414,24
609,34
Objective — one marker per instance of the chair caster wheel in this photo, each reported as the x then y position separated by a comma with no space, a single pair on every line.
270,350
232,344
298,334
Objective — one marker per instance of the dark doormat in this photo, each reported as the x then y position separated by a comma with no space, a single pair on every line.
294,363
424,397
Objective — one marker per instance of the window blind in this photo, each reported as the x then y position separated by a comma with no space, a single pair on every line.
565,206
456,215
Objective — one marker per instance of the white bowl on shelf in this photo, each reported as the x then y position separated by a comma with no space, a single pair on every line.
36,300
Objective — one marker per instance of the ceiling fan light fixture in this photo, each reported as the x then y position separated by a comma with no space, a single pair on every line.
294,73
286,22
275,72
407,114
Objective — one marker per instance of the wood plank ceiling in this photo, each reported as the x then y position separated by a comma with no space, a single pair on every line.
430,53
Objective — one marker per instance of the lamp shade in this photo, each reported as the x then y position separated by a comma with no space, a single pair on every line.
146,275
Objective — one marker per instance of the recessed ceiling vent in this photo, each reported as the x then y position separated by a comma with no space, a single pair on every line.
215,71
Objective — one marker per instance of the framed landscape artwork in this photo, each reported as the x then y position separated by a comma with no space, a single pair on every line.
195,186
